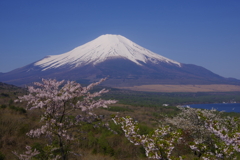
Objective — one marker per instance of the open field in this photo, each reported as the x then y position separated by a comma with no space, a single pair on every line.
185,88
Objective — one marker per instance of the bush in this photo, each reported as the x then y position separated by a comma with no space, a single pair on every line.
2,157
5,95
18,109
3,106
119,109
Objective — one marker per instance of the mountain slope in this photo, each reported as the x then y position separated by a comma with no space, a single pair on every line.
116,57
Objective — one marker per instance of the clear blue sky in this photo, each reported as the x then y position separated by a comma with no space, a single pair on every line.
200,32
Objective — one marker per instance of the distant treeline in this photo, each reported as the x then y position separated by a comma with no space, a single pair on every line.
154,99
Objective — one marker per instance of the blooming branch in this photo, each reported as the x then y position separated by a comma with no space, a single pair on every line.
28,154
158,145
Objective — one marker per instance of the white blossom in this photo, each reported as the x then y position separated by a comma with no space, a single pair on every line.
28,154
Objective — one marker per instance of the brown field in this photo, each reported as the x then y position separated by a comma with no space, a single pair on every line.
185,88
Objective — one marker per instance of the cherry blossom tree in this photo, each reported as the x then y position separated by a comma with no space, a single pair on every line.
59,101
157,145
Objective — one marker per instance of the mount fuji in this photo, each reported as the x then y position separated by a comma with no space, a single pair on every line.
124,63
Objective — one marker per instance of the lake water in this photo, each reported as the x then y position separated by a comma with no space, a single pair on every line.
227,107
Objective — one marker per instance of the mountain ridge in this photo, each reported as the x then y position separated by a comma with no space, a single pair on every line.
116,57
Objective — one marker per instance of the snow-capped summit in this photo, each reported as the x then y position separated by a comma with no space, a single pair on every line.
100,49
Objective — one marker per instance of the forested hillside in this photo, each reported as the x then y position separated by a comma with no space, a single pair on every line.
102,138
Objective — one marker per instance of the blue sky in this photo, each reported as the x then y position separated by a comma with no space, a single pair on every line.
200,32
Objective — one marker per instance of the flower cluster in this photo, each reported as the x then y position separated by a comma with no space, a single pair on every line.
188,120
158,145
226,134
28,154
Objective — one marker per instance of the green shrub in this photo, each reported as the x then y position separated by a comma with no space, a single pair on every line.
18,109
2,157
119,109
143,129
3,106
23,129
40,148
104,147
10,102
4,95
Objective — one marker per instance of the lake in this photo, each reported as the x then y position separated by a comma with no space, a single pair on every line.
227,107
